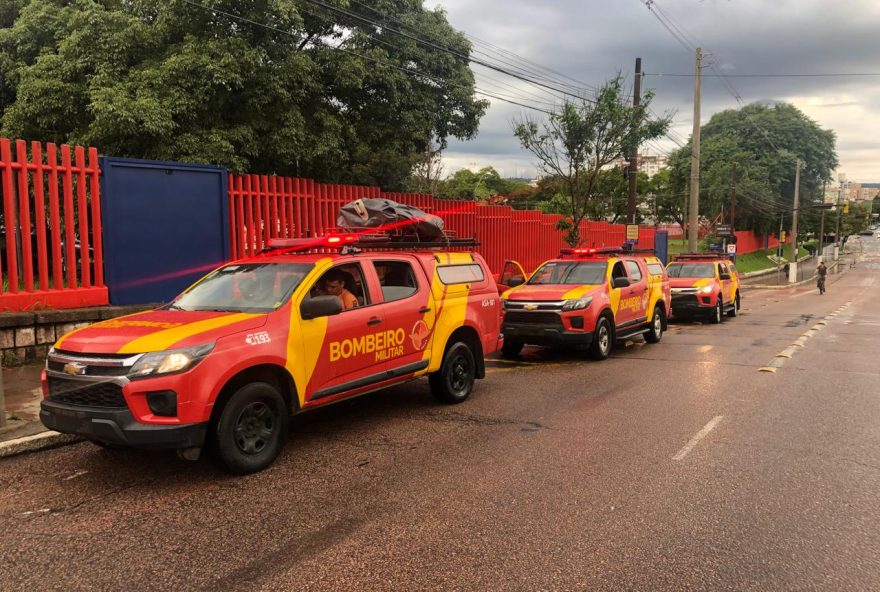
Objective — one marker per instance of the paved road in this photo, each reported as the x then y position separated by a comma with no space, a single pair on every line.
668,467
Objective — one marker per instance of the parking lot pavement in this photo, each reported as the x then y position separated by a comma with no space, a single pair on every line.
673,466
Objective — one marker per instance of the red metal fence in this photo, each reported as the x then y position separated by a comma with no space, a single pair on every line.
262,208
50,249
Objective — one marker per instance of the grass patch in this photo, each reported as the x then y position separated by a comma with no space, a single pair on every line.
758,260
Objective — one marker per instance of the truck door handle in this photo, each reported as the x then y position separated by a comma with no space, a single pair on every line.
374,321
424,310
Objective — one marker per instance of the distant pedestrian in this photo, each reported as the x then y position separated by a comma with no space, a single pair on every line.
821,272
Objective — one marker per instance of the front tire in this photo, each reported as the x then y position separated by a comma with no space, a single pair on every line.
454,381
251,429
718,313
655,334
603,338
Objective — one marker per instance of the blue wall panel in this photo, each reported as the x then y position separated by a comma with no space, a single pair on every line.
165,225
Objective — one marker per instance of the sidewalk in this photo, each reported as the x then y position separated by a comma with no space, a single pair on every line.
23,394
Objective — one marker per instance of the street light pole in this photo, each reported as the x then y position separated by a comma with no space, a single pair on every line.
792,271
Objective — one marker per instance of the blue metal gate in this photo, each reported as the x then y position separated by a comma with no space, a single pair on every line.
165,225
661,245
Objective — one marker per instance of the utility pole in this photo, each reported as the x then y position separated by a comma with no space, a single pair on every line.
634,154
837,233
792,272
822,235
733,199
694,210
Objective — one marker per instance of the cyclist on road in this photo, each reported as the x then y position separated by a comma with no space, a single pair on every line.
821,271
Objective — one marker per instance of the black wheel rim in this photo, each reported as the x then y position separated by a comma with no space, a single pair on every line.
254,428
460,371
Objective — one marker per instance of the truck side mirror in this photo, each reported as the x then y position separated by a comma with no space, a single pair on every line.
724,276
620,282
515,281
320,306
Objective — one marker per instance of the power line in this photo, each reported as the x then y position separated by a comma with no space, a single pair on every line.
408,71
443,48
782,75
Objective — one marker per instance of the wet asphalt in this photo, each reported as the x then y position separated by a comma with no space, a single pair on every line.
676,466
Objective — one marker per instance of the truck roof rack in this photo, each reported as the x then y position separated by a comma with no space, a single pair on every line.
699,256
355,242
591,251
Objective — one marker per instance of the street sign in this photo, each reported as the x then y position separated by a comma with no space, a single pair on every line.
731,249
724,230
782,237
632,232
715,246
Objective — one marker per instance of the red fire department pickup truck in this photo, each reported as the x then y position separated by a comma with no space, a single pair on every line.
227,362
587,299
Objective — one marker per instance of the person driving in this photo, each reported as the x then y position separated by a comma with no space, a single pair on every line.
333,284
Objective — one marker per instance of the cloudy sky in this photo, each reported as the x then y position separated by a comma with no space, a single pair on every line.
590,40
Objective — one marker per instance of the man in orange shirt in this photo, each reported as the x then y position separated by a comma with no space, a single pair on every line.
334,285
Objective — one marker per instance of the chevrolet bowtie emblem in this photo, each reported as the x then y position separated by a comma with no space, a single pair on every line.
530,306
74,369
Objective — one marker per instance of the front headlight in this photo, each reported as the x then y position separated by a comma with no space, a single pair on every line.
706,290
578,304
170,361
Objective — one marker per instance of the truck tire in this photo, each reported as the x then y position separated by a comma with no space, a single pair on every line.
512,348
734,311
655,332
718,312
454,381
251,429
603,338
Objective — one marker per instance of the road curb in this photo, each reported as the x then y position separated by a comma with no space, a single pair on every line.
36,443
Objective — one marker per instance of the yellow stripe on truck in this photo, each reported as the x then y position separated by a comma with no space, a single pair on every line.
164,339
58,344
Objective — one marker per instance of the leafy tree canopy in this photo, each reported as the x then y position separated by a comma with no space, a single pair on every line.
317,93
578,141
485,183
763,142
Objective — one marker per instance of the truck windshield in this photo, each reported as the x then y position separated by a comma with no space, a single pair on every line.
245,287
570,272
691,270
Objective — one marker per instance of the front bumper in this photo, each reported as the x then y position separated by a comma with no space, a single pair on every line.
118,426
546,335
692,305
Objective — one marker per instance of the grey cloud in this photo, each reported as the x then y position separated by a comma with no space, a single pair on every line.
591,40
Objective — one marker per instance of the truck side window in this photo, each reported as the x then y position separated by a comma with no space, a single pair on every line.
635,272
344,281
397,280
618,270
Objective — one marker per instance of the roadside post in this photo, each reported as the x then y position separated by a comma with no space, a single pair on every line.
2,401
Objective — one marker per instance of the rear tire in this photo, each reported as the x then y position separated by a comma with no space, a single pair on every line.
655,334
453,383
251,429
603,338
734,311
512,349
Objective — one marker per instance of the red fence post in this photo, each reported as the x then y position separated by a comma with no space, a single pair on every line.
83,211
70,252
40,215
55,217
97,230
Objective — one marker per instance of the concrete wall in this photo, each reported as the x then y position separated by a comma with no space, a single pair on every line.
25,337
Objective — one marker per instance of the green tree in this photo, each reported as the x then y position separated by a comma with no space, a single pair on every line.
763,142
576,142
316,93
485,183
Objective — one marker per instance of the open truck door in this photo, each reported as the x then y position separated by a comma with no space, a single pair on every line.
512,275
